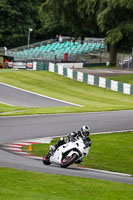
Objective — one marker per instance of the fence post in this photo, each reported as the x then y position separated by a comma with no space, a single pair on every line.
128,63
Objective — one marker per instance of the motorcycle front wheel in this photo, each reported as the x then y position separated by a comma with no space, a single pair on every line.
46,160
66,161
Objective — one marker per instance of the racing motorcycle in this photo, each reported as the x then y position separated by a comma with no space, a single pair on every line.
72,152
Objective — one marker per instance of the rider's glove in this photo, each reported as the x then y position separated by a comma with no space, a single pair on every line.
61,139
72,134
66,140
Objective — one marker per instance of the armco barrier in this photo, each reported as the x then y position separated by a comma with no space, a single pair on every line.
42,66
28,65
92,80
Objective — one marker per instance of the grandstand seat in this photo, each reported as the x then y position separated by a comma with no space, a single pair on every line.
50,50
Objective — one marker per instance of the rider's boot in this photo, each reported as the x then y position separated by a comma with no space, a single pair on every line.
79,161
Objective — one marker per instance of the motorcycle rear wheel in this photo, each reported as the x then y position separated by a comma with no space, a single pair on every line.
66,161
46,160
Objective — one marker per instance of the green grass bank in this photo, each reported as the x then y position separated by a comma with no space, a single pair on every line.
128,78
113,152
23,185
90,97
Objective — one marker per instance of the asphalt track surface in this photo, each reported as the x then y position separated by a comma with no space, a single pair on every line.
29,127
105,72
18,97
14,129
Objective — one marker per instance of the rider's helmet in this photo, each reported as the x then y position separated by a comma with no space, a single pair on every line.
85,131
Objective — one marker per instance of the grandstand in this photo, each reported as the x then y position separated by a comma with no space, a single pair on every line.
65,51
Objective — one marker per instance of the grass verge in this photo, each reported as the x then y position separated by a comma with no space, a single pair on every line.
23,185
47,83
122,78
113,152
8,108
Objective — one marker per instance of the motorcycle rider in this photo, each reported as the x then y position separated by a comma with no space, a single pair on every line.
83,133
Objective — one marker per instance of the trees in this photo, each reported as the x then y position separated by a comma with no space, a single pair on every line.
68,17
115,20
50,16
110,18
127,3
90,18
15,19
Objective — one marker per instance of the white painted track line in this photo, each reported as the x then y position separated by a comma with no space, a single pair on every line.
40,95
